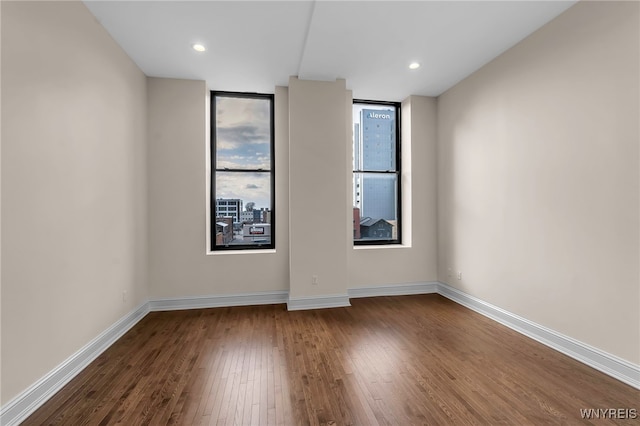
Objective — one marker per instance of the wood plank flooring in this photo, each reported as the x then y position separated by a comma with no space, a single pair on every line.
408,360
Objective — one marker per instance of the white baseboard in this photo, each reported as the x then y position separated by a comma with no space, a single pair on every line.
24,404
394,290
609,364
200,302
318,302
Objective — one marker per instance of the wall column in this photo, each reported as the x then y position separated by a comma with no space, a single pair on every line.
318,212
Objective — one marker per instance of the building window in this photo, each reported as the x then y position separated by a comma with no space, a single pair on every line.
242,178
376,173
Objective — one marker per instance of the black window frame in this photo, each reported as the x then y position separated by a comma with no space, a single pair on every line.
272,171
397,172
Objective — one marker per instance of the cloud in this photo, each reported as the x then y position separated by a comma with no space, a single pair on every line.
249,186
241,121
244,156
243,134
242,141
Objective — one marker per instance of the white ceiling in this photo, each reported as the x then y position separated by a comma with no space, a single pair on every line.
253,46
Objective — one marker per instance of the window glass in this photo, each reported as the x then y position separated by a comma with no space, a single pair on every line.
376,172
243,171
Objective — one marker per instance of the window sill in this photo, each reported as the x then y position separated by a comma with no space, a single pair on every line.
248,251
382,247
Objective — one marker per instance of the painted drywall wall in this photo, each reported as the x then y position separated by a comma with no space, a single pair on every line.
1,400
179,264
538,178
0,206
416,259
319,213
73,186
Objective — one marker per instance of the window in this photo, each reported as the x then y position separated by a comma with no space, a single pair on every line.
242,177
376,172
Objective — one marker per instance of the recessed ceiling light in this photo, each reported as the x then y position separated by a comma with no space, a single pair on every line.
198,47
414,65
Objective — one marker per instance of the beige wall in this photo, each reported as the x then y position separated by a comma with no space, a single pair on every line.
318,214
73,186
306,194
415,260
1,399
539,182
178,139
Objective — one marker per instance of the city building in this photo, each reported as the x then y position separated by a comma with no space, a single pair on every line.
229,207
256,215
378,229
224,230
257,232
375,149
265,216
356,223
247,217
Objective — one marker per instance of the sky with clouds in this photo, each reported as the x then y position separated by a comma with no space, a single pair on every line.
243,133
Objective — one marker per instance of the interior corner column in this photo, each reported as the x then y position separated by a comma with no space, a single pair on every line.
318,194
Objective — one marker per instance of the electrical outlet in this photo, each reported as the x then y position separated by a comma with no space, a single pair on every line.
459,275
314,280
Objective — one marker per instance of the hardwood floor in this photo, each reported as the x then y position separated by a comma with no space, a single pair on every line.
383,361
